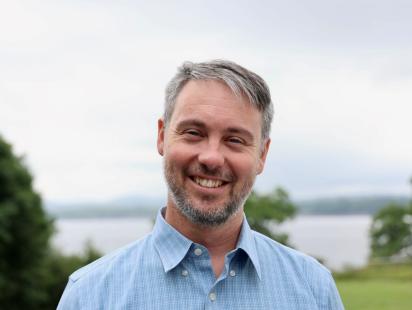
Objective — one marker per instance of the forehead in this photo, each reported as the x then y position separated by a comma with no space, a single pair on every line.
212,101
215,104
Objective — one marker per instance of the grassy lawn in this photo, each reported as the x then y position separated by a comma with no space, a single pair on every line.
375,294
377,287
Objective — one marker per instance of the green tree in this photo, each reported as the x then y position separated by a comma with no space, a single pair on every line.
25,231
391,232
264,210
32,274
60,267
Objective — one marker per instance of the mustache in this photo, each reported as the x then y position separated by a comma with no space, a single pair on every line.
220,173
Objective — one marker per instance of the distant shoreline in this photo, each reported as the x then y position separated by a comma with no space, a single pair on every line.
367,205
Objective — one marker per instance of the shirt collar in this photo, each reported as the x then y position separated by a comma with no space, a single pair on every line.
172,246
247,243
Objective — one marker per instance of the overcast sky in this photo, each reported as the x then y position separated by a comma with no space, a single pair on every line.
82,82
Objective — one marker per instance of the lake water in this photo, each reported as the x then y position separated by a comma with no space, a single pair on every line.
338,240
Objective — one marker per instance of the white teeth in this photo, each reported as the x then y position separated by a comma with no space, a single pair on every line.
208,182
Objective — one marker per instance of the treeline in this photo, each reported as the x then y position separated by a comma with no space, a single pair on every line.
349,205
324,206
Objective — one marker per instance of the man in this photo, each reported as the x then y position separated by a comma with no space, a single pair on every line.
202,254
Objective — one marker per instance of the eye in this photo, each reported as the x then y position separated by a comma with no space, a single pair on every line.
235,140
192,132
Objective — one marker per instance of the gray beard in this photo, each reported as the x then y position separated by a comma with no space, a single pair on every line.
210,218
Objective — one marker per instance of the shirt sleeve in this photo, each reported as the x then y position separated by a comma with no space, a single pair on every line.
69,299
334,301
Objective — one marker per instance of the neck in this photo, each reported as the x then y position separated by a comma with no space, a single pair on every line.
223,236
219,240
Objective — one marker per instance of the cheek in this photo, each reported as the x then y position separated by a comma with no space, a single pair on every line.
244,166
178,156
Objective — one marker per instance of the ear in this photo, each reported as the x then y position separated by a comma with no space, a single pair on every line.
160,135
262,157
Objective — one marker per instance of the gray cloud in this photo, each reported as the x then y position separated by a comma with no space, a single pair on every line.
81,88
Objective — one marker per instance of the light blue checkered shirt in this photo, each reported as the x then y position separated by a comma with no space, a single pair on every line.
165,270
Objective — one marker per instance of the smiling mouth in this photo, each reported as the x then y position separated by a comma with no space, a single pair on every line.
208,183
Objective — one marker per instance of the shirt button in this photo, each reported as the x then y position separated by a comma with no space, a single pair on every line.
185,273
212,296
198,252
232,273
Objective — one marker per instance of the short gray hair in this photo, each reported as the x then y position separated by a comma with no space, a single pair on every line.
240,80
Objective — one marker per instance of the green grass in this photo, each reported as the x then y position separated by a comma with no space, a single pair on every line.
376,294
378,287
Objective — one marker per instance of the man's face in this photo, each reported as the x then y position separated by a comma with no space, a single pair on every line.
212,152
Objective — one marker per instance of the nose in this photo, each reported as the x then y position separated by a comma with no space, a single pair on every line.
211,156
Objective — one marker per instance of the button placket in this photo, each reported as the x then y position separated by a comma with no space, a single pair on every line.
185,273
212,296
198,251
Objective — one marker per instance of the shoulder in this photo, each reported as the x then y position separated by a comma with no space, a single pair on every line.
115,261
300,271
104,279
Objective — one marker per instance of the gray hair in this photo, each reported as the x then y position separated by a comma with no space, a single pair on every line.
241,81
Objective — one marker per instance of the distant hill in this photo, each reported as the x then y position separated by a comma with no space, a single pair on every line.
140,206
348,205
127,206
98,211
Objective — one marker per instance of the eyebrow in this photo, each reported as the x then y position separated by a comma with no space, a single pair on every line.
190,122
199,124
